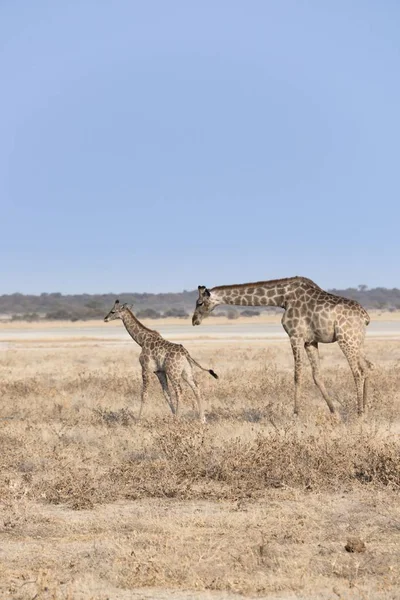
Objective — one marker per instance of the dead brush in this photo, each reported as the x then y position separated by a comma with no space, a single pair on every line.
185,448
77,487
104,383
123,416
188,459
82,447
379,463
23,387
177,458
292,459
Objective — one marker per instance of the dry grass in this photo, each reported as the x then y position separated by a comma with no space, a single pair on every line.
95,505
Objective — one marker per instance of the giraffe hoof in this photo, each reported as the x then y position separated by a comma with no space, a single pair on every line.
335,417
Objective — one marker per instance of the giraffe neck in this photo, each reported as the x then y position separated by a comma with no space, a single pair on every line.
263,293
134,327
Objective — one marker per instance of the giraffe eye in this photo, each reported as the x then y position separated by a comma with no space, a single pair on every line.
200,303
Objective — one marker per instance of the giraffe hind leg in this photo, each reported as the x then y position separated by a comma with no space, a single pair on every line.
352,353
176,386
188,377
366,366
313,357
162,378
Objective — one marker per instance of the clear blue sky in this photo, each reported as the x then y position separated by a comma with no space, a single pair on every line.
157,145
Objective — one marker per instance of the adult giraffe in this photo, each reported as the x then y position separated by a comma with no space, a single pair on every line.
311,316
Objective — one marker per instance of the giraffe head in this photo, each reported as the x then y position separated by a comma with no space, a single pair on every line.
204,305
115,312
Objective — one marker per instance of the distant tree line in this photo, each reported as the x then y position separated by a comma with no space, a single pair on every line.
77,307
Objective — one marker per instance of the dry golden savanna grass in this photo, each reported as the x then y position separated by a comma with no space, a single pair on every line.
95,505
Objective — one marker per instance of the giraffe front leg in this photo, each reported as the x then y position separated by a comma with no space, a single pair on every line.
298,371
145,388
313,357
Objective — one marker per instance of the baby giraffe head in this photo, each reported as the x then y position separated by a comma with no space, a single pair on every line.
115,312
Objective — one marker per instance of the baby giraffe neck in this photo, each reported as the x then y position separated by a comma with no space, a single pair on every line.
136,330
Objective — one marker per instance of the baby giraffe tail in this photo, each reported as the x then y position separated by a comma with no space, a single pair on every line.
202,368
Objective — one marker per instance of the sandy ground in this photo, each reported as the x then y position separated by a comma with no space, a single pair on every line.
297,543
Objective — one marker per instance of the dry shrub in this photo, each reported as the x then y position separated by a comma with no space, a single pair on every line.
21,388
379,463
123,416
185,461
77,488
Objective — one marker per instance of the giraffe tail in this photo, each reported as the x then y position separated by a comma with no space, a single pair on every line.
202,368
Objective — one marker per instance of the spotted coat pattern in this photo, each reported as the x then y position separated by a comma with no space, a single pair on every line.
311,316
170,362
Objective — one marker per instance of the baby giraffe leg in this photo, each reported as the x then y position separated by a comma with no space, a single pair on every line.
176,386
162,378
188,377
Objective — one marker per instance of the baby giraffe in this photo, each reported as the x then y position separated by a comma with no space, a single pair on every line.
167,360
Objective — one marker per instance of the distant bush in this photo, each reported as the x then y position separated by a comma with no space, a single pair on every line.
77,314
176,312
60,315
95,305
26,317
148,313
232,314
250,313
